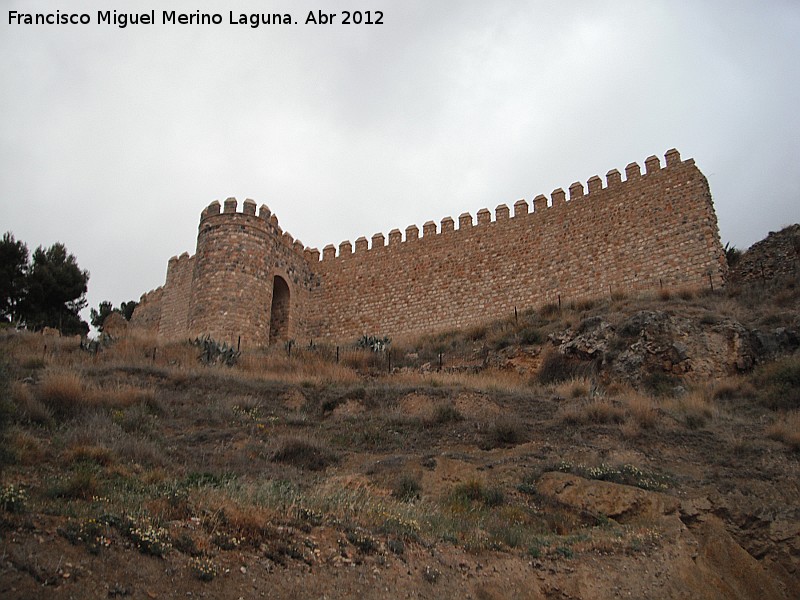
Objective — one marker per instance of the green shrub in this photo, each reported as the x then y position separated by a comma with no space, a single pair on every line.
203,568
626,474
148,538
91,533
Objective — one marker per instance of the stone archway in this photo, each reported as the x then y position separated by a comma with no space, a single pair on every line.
279,312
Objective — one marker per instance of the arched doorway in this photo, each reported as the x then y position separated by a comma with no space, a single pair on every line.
279,313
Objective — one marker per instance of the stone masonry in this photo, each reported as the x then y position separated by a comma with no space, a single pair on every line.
250,280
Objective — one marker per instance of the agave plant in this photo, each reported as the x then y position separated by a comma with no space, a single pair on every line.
214,352
374,343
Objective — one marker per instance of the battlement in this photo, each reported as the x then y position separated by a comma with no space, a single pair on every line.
265,220
522,209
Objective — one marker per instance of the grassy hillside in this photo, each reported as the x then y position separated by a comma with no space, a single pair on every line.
552,453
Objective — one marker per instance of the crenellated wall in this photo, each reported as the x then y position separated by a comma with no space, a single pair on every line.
651,229
177,296
238,256
146,318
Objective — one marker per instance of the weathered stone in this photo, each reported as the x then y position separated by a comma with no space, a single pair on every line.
619,502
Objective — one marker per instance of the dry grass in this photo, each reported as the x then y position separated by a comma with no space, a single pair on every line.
641,409
63,393
486,380
577,387
303,367
303,454
694,409
786,429
26,448
121,396
99,455
599,411
557,368
29,409
731,388
239,518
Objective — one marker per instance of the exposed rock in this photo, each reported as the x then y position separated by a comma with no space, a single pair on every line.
619,502
704,557
775,257
651,342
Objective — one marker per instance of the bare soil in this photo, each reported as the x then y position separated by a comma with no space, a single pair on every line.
195,458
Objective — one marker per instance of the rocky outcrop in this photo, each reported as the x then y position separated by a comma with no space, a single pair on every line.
697,552
774,258
623,503
652,341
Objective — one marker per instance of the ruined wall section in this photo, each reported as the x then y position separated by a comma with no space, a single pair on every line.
146,318
651,230
238,255
176,297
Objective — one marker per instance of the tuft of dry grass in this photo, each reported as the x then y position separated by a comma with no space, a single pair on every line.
504,432
444,412
29,409
303,454
731,388
642,409
694,409
99,455
25,447
778,383
304,367
577,387
786,429
599,411
63,393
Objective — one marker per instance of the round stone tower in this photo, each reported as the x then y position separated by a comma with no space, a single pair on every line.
242,288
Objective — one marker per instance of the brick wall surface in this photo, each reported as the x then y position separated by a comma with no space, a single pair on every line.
653,229
176,297
147,316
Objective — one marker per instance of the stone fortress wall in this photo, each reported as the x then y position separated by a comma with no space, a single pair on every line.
249,280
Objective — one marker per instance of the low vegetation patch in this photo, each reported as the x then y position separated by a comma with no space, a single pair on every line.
63,394
557,368
786,429
778,384
599,411
463,495
502,433
304,455
625,474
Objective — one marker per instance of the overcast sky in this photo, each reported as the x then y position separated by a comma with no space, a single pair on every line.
113,140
